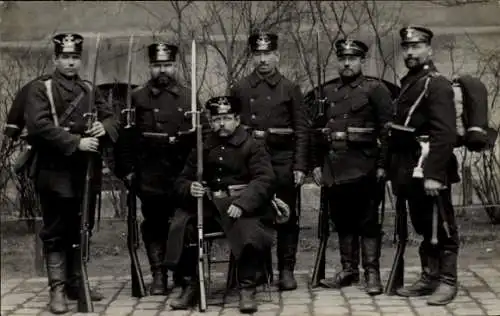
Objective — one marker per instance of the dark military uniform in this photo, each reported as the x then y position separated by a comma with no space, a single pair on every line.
358,111
275,102
434,116
236,160
156,157
60,166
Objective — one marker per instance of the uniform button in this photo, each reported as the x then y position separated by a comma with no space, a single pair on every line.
156,110
346,116
218,179
254,116
220,158
252,99
222,148
268,97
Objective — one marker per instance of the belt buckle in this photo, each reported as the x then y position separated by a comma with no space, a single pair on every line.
219,194
172,139
259,133
338,135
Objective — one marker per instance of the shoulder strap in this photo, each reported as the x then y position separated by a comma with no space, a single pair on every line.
48,86
418,100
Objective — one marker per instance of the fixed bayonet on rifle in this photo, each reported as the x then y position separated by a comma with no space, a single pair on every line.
138,286
84,300
396,276
196,126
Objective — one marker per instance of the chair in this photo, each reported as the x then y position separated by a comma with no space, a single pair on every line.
208,240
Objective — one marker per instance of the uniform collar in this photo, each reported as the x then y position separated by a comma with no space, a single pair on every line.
272,80
68,84
355,82
238,137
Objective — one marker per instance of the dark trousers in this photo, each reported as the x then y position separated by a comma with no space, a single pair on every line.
352,208
288,233
156,211
446,251
61,221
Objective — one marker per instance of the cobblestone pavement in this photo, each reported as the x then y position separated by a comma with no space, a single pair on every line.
479,294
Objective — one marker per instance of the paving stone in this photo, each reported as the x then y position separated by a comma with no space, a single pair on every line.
144,312
148,305
265,313
338,310
30,311
395,309
16,299
85,314
359,301
462,305
296,301
468,312
363,308
153,298
207,313
384,303
119,311
293,310
269,307
482,295
364,313
432,311
493,310
123,303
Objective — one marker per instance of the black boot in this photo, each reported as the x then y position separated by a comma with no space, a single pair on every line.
371,265
428,281
248,265
74,276
287,253
156,252
248,305
188,297
447,288
56,272
349,258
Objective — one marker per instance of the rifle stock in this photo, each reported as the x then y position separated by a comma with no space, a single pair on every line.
323,235
396,276
138,286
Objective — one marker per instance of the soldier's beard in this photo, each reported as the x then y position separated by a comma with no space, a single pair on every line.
163,80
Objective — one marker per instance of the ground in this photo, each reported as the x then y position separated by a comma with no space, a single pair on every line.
23,292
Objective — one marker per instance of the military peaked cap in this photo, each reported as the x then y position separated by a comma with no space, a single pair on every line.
160,52
415,34
350,47
223,105
68,43
263,42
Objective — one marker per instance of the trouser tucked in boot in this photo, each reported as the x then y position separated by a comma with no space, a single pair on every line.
56,272
447,289
156,255
247,270
73,273
349,259
288,239
371,264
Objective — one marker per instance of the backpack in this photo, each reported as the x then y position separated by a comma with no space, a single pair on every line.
476,135
473,112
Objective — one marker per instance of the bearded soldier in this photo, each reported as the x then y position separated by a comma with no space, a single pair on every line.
61,141
238,191
354,162
273,108
153,159
426,108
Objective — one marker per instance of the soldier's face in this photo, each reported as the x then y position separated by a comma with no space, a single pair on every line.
265,62
416,54
162,71
225,124
350,65
68,64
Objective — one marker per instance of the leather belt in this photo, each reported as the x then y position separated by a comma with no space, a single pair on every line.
171,139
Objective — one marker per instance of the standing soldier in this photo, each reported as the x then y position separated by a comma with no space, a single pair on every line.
61,147
430,97
154,161
272,107
354,163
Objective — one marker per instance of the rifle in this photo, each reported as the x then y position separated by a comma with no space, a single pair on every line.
323,235
196,125
396,276
138,286
324,218
84,300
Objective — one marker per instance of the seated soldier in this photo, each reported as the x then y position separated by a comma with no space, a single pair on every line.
238,178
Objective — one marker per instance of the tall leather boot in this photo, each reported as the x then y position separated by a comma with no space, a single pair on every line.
156,252
246,272
73,274
287,252
428,281
371,265
349,259
447,289
56,272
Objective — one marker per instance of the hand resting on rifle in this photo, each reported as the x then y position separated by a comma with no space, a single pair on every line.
197,189
97,130
234,211
88,144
